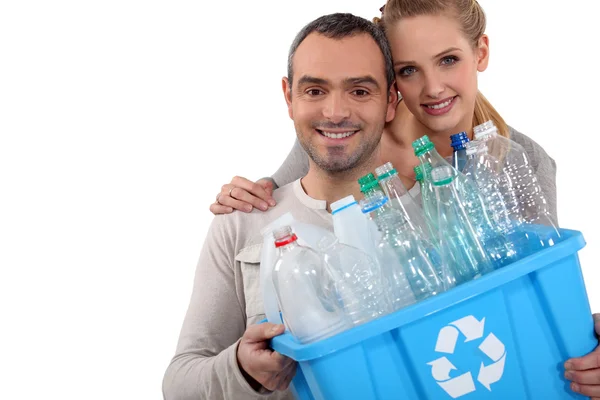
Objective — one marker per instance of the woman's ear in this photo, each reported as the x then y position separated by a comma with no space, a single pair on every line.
483,53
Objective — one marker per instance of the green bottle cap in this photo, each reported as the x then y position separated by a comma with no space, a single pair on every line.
367,183
422,145
418,173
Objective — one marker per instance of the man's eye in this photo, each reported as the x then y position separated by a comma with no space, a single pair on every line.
313,92
361,92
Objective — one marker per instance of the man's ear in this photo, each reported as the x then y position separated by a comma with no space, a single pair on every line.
392,103
287,93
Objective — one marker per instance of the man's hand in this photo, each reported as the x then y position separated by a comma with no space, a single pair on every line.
584,372
267,367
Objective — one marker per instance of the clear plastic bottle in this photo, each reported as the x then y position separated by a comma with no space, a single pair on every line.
309,235
411,261
482,169
395,190
357,279
429,158
523,183
460,246
304,286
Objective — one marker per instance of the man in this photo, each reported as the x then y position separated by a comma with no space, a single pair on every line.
339,95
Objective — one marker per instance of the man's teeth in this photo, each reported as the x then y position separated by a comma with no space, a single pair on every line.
442,105
333,135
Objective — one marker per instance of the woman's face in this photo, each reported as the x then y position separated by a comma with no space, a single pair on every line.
436,70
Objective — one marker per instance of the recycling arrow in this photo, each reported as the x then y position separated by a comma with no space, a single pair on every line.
446,341
440,368
459,386
494,349
470,327
491,373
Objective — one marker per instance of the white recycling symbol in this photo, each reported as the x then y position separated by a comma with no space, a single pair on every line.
491,346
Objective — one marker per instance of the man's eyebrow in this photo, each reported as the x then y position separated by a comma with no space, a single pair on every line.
448,50
362,80
311,80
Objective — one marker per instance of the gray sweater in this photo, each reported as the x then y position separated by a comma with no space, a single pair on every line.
295,166
226,298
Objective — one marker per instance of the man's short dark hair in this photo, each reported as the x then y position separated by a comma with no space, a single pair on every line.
339,26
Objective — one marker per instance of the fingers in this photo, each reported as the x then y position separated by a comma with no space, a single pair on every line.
232,201
590,361
256,189
281,378
240,199
247,197
588,377
217,209
267,184
597,324
286,376
586,390
244,195
262,332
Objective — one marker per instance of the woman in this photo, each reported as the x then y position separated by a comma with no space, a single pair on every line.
438,46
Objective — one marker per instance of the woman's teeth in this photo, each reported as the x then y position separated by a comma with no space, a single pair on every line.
333,135
441,105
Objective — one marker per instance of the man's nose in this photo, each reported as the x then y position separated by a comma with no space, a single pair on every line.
337,108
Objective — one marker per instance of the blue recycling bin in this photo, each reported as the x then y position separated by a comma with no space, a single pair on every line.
503,336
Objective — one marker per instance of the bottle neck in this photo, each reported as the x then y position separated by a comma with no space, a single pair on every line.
287,243
375,191
432,157
388,222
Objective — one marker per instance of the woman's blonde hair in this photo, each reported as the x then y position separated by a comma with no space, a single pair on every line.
471,18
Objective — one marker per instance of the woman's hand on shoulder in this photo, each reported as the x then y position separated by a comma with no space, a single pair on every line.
244,195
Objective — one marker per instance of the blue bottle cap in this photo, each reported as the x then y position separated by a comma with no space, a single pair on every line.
458,141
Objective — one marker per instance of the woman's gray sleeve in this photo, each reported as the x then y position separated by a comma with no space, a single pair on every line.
294,167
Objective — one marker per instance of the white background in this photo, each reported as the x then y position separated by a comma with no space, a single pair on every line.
119,122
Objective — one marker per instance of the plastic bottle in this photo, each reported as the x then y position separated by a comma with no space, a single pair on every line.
460,245
482,169
411,262
309,235
357,279
523,183
428,155
303,286
396,192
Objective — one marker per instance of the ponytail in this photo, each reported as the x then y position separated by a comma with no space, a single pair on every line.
484,111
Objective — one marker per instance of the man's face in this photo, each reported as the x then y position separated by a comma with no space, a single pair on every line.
339,100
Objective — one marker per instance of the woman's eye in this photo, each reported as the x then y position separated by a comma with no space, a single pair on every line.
407,71
450,60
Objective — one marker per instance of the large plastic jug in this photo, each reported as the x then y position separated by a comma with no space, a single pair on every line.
308,235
